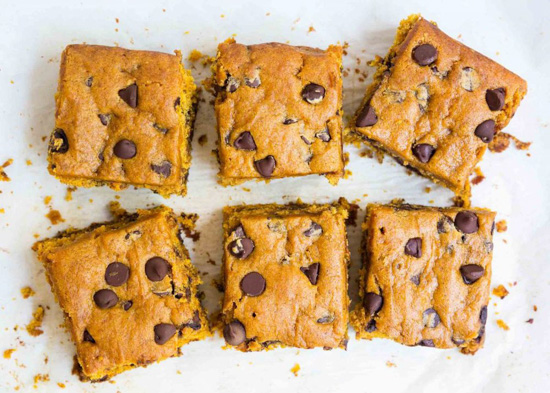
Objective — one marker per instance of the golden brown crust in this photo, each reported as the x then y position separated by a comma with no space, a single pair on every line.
430,104
124,335
292,311
280,72
411,285
160,125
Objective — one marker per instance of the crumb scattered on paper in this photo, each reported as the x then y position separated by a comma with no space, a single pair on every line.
61,385
311,29
69,194
33,328
27,292
501,226
40,378
3,175
295,369
535,308
479,177
502,140
427,190
500,291
203,139
55,217
352,217
530,320
501,324
193,235
194,55
8,352
390,364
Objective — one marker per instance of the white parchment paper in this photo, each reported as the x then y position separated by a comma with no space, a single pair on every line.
517,184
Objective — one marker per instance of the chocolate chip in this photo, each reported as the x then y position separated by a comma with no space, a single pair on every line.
466,222
493,228
241,248
424,54
430,318
88,337
89,81
127,305
163,169
161,129
372,303
59,142
313,93
157,268
105,298
306,140
483,315
426,343
314,230
471,273
177,103
445,224
326,319
105,119
100,156
164,332
234,333
457,341
238,232
195,323
416,279
414,247
323,135
245,141
371,326
129,95
495,98
133,235
486,131
117,274
231,84
367,117
288,121
265,166
423,152
125,149
312,272
253,284
254,83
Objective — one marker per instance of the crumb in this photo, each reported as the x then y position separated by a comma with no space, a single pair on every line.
47,200
347,174
69,194
8,352
352,217
3,175
33,328
36,235
501,226
178,372
379,156
502,325
44,138
40,378
203,139
193,235
55,217
267,13
29,162
27,292
194,55
295,369
222,16
535,308
530,320
367,153
211,261
246,189
501,142
311,30
61,385
427,190
500,291
479,177
390,364
116,20
218,284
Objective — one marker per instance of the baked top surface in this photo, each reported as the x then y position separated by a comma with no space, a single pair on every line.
262,90
302,256
440,104
423,288
114,333
106,95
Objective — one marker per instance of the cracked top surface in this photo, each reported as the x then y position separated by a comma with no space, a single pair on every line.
290,101
440,104
424,294
114,333
108,94
301,253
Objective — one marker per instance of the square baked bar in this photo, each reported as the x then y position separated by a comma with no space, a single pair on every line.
426,276
123,117
286,276
279,111
128,290
435,104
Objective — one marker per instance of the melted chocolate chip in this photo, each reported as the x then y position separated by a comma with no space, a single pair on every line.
234,333
238,232
426,343
471,273
245,141
254,83
59,142
416,279
125,149
89,81
105,119
371,326
445,224
323,135
164,332
265,166
485,131
424,54
88,337
253,284
466,222
367,117
430,318
314,230
157,268
127,305
195,323
129,95
414,247
105,298
313,93
423,152
117,274
241,248
163,169
372,303
495,98
312,272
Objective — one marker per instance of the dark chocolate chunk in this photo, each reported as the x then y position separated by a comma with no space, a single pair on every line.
253,284
288,121
105,119
88,337
423,152
367,117
100,156
416,279
466,222
117,274
314,230
157,268
254,83
89,81
371,326
471,273
486,131
163,169
238,232
245,141
445,224
241,248
372,303
234,333
495,98
426,343
265,166
414,247
457,341
195,323
59,142
164,332
312,272
430,318
127,305
177,103
313,93
424,54
323,135
125,149
129,95
160,129
483,315
231,84
326,319
105,298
